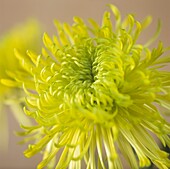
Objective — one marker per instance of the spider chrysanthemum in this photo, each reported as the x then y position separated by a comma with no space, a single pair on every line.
23,36
95,94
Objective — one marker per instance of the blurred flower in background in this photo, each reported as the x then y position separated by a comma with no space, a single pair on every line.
93,93
24,36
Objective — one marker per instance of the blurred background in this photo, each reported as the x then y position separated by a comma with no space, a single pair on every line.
13,12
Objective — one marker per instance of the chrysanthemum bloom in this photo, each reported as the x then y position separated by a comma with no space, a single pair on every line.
94,94
21,37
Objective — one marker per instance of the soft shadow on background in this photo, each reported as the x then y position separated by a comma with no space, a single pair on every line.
13,12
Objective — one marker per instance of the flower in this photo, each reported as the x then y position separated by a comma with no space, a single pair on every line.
94,94
21,37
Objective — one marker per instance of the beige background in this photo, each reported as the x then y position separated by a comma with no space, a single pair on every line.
16,11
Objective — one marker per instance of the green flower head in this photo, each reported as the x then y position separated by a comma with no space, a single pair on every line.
94,94
22,36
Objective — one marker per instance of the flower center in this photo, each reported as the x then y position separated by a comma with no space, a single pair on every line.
92,75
